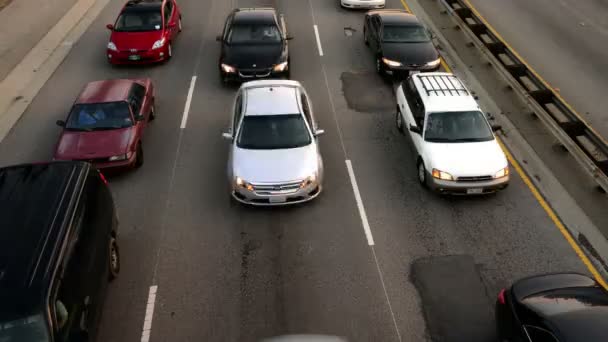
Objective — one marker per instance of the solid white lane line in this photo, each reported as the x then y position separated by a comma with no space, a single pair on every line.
353,182
318,40
145,334
188,101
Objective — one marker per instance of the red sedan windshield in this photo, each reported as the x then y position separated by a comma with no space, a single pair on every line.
99,116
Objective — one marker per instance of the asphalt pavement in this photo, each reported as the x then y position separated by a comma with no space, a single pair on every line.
226,272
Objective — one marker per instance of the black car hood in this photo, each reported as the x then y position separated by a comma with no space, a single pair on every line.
410,53
246,55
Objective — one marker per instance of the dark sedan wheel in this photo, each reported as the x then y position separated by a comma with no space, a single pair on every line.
399,121
139,157
114,259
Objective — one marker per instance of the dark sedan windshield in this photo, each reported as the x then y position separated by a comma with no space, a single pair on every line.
99,116
139,21
29,329
273,132
457,127
252,33
405,34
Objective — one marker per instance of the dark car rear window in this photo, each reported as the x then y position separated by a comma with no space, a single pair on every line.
139,21
99,116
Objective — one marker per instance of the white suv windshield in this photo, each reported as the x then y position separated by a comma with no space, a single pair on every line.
457,127
268,132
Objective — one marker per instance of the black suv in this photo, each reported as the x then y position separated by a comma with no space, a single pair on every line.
57,251
254,45
399,42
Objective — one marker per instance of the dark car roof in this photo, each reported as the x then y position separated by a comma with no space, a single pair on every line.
31,196
105,91
396,17
573,304
143,5
254,15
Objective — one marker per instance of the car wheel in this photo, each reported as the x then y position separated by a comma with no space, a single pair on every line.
421,173
139,157
399,121
179,24
379,68
365,37
114,258
152,112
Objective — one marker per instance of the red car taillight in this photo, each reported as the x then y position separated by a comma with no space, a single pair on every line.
501,297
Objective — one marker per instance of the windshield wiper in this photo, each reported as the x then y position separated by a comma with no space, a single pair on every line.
439,139
79,129
106,128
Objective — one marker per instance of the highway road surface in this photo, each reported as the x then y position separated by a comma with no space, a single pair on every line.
219,271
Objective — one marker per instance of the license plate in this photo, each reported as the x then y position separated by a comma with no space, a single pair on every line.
474,191
134,57
277,199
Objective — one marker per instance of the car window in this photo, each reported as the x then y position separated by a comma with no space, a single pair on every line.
456,127
136,99
138,21
306,110
405,34
414,102
168,11
99,116
238,110
253,33
31,328
227,27
538,334
376,24
264,132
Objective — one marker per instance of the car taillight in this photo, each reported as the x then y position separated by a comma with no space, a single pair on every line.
103,178
501,297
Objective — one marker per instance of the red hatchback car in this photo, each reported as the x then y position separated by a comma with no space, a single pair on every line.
144,32
106,124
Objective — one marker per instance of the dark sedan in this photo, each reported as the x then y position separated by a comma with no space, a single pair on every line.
565,307
254,46
399,42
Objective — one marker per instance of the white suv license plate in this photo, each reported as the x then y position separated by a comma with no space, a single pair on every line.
277,199
474,191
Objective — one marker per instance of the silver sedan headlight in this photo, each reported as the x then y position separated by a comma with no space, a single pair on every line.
241,183
309,180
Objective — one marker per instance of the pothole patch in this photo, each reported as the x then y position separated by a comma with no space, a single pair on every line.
367,92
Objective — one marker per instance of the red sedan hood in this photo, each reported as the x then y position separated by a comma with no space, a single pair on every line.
91,145
135,40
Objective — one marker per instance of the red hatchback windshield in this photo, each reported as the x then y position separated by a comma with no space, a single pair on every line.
99,116
139,21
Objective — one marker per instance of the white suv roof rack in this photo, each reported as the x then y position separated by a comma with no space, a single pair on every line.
442,84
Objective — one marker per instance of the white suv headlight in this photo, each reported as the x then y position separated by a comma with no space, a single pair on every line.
502,173
442,175
158,44
112,46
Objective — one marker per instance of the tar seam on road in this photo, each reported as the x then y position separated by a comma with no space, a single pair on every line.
145,334
353,182
536,193
340,136
318,40
188,101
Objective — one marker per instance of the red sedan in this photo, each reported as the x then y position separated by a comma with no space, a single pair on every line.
106,124
144,32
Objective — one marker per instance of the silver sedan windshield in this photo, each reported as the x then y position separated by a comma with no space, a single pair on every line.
266,132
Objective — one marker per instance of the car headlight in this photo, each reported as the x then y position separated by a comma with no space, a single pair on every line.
280,67
502,173
112,46
391,62
227,68
121,157
433,63
308,181
243,184
158,44
442,175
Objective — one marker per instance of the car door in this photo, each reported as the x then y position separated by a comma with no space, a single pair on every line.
306,108
412,110
169,18
237,115
377,33
140,103
224,36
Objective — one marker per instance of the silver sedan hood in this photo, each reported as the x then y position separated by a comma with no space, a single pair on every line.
275,166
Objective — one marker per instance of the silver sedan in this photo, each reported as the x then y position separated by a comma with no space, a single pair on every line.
274,156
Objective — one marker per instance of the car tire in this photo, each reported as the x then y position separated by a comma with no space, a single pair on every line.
152,111
365,40
139,157
422,173
113,259
399,121
179,24
169,51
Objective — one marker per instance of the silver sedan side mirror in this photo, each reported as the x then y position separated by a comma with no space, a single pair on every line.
227,136
319,132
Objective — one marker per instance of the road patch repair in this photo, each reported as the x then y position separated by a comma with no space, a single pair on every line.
454,300
364,95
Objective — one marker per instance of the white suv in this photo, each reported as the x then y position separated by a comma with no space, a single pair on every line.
456,151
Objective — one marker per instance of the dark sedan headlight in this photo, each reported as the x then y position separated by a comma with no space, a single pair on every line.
391,63
280,67
227,68
434,63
